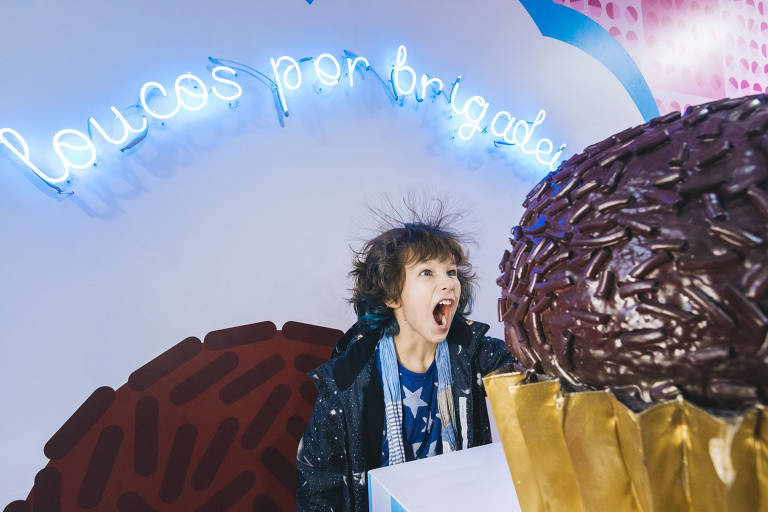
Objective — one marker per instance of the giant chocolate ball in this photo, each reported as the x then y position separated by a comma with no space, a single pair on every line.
640,265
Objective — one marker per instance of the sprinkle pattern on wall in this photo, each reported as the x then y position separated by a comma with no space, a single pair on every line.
690,51
209,426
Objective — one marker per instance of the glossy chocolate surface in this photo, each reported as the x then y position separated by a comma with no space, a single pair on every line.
641,264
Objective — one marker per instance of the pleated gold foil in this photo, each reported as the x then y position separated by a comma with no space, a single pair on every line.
588,452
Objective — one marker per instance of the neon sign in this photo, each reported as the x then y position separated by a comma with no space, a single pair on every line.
76,150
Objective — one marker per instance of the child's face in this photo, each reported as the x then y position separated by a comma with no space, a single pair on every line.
429,300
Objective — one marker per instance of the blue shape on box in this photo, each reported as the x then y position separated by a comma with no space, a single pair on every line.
395,506
572,27
310,1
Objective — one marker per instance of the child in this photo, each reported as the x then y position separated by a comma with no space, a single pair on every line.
405,380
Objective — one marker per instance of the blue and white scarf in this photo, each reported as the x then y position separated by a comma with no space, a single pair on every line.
393,405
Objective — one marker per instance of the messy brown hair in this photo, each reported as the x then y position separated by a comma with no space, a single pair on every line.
379,266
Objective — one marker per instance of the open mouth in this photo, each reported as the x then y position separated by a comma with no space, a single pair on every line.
442,311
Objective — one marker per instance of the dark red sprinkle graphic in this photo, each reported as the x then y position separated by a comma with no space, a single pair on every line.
146,428
132,502
46,494
165,364
18,506
79,423
175,475
308,392
296,427
236,336
215,453
252,379
311,333
283,469
263,503
204,378
266,416
100,467
230,494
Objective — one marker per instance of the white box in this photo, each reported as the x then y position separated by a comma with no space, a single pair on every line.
465,480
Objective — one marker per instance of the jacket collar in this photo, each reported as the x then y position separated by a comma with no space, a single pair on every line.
357,348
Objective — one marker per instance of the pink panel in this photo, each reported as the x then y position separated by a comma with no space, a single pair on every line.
689,51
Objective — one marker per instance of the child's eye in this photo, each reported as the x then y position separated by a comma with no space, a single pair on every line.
426,272
452,273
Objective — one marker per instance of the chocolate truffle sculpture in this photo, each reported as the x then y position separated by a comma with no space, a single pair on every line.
639,272
641,264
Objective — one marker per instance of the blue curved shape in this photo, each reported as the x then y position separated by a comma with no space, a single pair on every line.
572,27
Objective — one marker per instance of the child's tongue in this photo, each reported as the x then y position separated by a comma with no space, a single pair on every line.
437,313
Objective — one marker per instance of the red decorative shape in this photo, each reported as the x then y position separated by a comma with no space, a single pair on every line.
211,426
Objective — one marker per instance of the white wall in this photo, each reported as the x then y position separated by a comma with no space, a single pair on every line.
225,218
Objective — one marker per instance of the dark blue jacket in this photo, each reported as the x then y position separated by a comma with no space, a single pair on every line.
343,439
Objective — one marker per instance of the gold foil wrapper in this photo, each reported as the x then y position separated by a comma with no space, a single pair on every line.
589,452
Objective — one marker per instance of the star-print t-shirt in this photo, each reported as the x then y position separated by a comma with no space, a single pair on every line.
421,419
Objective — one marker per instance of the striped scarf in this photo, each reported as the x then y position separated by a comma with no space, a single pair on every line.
393,405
